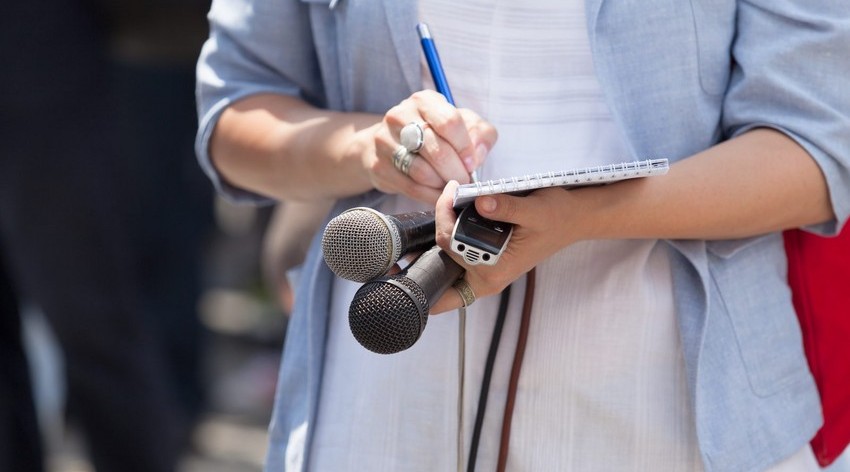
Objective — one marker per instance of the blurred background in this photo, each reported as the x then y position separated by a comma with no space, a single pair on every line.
138,329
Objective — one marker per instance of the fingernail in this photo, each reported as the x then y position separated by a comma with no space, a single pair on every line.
487,204
469,163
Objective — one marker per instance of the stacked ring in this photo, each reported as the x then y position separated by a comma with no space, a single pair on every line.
402,158
412,136
465,292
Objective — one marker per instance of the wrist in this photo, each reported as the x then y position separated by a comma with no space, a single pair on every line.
603,212
357,152
345,142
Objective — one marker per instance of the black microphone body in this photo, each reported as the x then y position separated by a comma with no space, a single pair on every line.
389,314
361,243
417,230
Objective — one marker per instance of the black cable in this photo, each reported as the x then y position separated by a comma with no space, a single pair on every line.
488,372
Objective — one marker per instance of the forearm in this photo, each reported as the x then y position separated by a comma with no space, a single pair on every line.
284,148
759,182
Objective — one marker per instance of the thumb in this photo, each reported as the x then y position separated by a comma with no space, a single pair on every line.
507,208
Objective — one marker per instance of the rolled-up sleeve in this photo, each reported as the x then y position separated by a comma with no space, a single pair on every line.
792,64
254,47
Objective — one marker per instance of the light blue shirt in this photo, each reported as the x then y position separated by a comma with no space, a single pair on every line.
679,77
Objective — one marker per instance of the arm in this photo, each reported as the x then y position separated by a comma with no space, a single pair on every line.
267,128
786,165
282,147
285,244
759,182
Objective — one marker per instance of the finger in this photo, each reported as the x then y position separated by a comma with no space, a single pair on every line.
398,183
420,193
450,300
507,208
387,179
422,172
483,134
388,140
443,158
446,121
391,178
445,217
395,269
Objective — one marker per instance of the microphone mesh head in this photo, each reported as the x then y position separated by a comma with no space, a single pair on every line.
358,245
384,318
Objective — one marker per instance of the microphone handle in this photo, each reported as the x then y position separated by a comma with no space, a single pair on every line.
434,272
389,314
417,230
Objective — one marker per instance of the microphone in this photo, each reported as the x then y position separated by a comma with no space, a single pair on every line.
361,243
388,314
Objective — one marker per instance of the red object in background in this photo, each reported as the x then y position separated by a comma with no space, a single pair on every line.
819,275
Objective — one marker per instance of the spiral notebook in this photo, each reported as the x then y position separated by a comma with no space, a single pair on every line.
578,177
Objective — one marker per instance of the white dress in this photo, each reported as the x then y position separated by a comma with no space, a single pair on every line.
603,383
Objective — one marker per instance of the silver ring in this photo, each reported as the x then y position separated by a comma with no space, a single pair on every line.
465,292
402,158
413,136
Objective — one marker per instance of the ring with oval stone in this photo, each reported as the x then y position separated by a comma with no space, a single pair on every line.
413,136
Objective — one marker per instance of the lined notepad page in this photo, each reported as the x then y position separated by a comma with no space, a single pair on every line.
593,175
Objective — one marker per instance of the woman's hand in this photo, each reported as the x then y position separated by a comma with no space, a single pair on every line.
456,142
542,226
285,148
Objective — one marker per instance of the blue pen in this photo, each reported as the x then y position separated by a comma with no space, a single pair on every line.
433,59
436,68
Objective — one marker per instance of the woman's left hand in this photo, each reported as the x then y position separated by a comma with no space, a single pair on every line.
542,226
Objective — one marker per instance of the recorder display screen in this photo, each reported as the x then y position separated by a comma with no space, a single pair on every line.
483,233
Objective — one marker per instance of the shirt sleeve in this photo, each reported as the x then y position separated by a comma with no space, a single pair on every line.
254,47
791,64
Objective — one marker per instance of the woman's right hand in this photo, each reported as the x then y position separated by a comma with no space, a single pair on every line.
281,146
456,142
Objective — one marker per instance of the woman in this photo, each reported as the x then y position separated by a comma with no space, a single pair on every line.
662,334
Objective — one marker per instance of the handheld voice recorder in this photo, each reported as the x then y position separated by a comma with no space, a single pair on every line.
479,240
